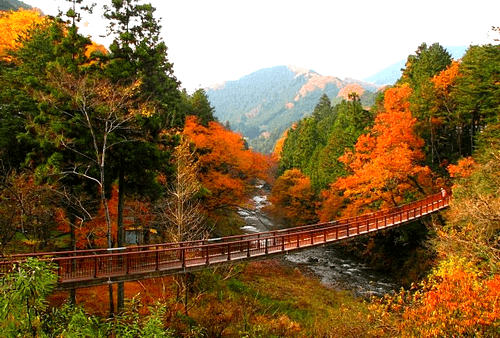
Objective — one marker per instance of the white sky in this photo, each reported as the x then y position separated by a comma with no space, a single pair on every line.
210,41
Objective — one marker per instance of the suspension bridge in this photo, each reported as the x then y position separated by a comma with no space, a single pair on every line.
85,268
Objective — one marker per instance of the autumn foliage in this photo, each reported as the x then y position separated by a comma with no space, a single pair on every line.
91,233
29,209
293,198
444,81
385,163
227,168
455,301
463,168
14,27
64,125
278,147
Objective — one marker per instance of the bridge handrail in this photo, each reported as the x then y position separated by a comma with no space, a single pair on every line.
234,238
85,268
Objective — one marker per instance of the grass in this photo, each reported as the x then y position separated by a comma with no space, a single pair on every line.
259,299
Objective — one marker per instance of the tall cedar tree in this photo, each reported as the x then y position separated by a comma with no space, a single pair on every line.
17,106
139,52
314,144
200,107
478,97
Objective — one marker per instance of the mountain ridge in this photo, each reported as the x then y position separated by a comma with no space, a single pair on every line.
262,104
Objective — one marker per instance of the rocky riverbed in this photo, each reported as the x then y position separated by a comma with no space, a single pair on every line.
335,268
343,272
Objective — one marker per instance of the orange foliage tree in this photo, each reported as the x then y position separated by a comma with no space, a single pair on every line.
464,168
227,167
92,233
30,210
92,50
385,162
278,147
446,78
14,27
331,204
293,198
454,302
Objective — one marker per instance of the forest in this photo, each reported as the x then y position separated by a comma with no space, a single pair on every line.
101,148
263,104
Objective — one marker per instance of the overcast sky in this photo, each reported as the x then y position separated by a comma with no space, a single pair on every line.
210,41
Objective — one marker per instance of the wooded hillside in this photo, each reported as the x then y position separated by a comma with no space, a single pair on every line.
262,105
97,143
436,128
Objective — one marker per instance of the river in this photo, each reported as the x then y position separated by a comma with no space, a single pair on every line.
335,268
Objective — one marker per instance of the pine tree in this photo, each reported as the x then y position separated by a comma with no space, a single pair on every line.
477,95
138,51
201,107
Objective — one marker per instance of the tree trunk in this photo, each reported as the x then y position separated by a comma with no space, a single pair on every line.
186,294
121,232
111,301
72,234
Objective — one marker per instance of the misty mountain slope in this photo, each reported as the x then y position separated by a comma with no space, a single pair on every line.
6,5
264,103
392,73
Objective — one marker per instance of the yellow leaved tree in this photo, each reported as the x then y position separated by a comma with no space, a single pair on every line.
14,27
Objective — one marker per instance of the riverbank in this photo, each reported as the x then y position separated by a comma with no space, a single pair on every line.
334,268
342,272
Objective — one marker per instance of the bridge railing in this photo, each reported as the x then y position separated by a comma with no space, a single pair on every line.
101,264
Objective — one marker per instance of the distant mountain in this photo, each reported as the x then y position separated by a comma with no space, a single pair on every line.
263,104
391,74
6,5
388,75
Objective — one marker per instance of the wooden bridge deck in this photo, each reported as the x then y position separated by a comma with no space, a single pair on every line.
95,267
